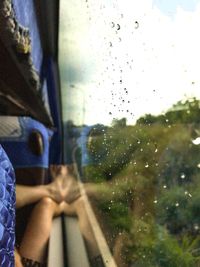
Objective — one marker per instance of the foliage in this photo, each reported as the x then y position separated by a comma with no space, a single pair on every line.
152,189
182,112
156,247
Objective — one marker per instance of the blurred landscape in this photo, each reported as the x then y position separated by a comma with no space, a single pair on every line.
147,179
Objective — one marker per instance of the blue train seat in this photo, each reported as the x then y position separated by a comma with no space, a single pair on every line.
7,211
26,142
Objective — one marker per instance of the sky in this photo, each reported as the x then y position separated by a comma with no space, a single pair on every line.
127,58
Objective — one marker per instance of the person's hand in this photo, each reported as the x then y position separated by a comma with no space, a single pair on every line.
55,189
64,186
71,189
56,170
60,169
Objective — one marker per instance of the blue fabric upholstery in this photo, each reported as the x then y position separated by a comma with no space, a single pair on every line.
26,16
56,144
7,211
14,134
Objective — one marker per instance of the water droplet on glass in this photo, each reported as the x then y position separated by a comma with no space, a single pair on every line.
112,24
155,201
198,165
110,113
196,141
164,186
136,25
156,150
118,27
110,44
183,176
188,194
177,204
147,165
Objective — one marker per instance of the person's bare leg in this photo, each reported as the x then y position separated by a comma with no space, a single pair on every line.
18,262
75,205
34,242
78,208
30,194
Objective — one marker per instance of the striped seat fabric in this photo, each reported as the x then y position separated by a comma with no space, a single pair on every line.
7,211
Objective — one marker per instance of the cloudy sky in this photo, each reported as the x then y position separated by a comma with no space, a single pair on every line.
126,58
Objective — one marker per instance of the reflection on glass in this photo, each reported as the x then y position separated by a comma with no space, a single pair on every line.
130,81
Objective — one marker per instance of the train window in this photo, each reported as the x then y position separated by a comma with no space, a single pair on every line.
130,75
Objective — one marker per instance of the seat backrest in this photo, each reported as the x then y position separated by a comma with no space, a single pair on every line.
26,142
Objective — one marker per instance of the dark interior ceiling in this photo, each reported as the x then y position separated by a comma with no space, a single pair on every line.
17,97
48,19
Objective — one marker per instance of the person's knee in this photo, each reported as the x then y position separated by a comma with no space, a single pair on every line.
46,202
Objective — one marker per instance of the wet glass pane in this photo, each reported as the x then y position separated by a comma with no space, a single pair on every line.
131,99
